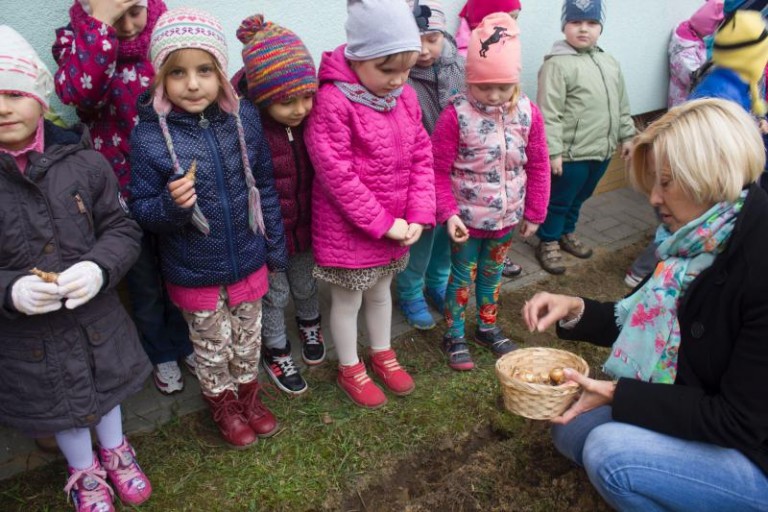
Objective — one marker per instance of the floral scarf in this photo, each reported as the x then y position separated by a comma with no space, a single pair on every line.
359,94
648,343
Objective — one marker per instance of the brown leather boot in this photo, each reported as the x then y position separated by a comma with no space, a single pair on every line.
260,419
228,414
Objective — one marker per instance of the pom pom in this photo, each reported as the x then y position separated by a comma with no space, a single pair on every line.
249,27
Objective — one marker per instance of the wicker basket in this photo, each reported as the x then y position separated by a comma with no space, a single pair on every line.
533,400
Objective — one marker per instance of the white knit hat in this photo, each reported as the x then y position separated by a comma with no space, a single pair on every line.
21,70
87,5
377,28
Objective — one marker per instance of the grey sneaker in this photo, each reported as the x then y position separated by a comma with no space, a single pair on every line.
495,340
550,258
572,245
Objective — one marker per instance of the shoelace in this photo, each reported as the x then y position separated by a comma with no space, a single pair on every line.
121,462
89,497
286,365
230,408
310,335
390,365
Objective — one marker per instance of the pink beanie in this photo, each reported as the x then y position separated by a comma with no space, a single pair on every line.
493,55
707,18
87,5
475,10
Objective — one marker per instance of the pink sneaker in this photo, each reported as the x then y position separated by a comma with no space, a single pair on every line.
130,482
354,381
88,489
384,364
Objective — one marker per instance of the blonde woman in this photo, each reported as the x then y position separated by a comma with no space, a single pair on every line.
685,425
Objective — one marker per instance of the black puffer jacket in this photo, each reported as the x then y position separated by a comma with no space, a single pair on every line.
67,368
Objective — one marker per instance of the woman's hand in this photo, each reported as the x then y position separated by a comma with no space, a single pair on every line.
412,235
457,230
182,192
398,231
544,309
528,228
594,393
109,11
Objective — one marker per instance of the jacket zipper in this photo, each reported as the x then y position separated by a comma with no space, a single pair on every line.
503,147
573,140
398,166
295,232
608,100
82,209
223,196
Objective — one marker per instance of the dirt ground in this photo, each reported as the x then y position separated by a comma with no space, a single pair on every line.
500,469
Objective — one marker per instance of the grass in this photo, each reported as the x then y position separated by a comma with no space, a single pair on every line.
448,446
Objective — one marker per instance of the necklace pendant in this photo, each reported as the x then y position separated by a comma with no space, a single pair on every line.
204,123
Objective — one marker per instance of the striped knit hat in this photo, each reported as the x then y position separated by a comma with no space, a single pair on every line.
277,64
21,70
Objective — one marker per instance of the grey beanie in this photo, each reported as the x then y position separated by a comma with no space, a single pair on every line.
377,28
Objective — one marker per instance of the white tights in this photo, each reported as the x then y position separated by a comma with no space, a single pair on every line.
75,443
377,308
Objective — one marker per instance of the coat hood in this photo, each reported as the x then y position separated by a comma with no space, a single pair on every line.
563,48
335,67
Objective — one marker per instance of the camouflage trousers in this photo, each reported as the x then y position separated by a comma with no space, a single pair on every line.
227,344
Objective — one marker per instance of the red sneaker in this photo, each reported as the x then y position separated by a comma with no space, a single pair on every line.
260,419
228,415
384,364
354,381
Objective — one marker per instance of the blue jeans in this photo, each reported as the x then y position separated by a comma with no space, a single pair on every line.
429,264
569,191
164,333
635,469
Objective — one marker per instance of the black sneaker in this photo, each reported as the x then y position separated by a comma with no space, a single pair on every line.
458,354
312,344
495,340
282,370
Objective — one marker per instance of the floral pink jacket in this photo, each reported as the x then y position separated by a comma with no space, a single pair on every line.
371,167
491,167
103,77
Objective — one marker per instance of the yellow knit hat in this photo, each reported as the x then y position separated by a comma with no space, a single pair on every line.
741,45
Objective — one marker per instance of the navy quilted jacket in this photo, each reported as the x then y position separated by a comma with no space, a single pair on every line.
232,250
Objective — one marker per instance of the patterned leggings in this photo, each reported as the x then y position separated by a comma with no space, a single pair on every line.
227,344
481,260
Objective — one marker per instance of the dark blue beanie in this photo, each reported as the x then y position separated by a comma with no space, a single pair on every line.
578,10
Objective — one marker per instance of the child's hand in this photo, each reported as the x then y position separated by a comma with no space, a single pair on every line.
33,296
556,164
763,126
626,150
80,283
528,228
109,11
457,230
398,231
182,192
412,235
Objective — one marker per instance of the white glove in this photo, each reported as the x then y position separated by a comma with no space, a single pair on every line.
80,283
33,296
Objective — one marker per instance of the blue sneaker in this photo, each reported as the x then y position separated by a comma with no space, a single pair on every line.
417,314
436,296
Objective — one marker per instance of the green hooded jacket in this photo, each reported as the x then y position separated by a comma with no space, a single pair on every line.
584,102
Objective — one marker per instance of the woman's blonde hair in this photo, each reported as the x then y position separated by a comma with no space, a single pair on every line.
712,148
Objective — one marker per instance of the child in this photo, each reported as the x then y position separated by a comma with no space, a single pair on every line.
219,225
103,68
280,79
374,185
586,113
688,51
437,76
69,352
473,13
491,172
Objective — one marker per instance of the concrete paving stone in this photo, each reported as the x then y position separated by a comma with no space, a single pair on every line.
620,232
601,224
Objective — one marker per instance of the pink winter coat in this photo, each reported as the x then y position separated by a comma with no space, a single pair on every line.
370,168
102,77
